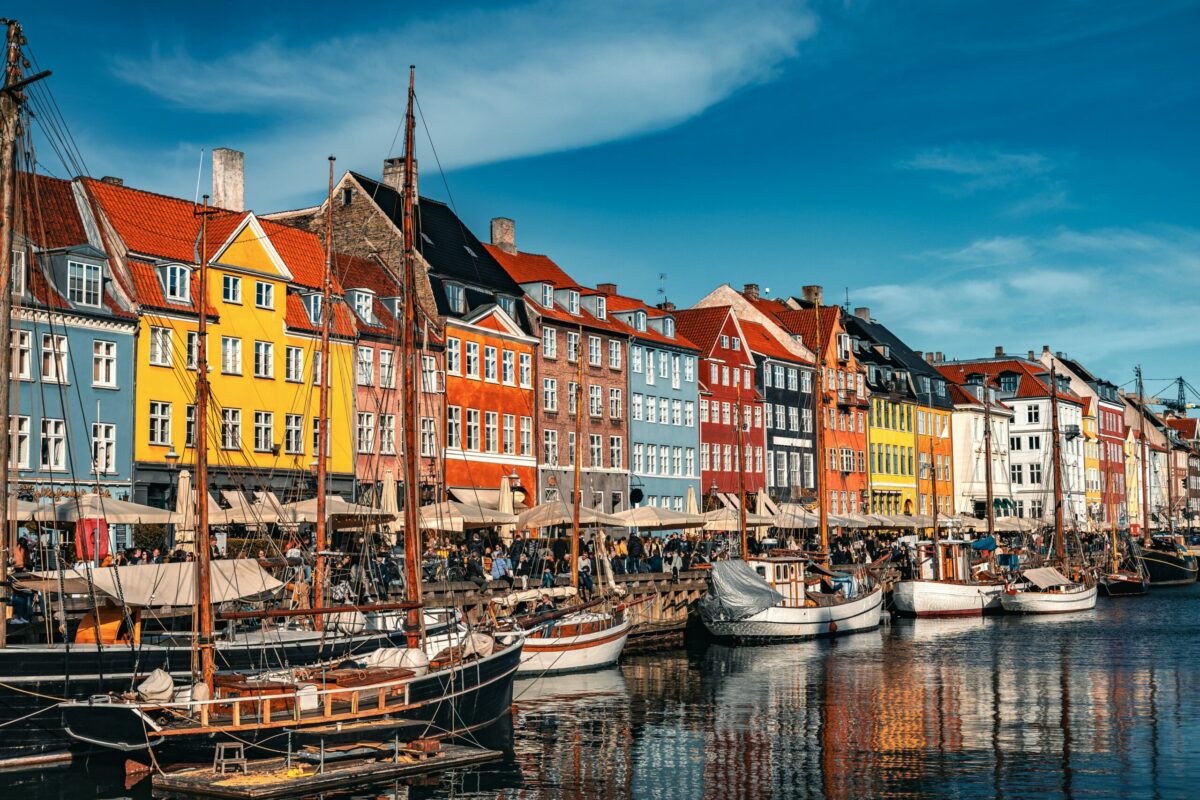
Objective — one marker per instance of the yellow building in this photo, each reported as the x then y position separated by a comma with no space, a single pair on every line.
1092,485
936,448
893,460
263,306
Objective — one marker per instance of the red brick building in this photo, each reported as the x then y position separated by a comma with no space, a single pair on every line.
727,395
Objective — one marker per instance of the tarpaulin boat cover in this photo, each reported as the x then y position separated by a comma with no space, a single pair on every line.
1045,577
986,543
171,584
735,592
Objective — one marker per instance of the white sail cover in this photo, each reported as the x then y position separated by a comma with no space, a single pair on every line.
1045,577
172,584
735,592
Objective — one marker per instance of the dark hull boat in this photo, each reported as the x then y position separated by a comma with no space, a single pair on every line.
1124,584
1170,567
35,678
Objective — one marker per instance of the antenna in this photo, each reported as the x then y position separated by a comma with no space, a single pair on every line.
847,305
662,285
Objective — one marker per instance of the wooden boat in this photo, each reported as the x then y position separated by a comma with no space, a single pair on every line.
1168,563
1048,591
947,588
1125,583
578,641
779,598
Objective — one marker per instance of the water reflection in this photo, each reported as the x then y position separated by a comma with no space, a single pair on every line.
1095,705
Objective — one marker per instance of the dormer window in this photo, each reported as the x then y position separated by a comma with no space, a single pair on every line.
18,272
456,297
177,280
1008,382
509,304
639,321
573,301
83,283
669,327
364,305
547,296
601,308
314,308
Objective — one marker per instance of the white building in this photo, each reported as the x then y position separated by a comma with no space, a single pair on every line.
970,450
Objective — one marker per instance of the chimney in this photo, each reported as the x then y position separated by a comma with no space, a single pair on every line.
504,235
862,312
1030,354
666,305
812,294
393,175
940,356
1058,354
607,289
229,179
1045,349
999,351
920,354
112,180
750,291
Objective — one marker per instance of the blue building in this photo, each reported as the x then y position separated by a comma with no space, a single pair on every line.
73,324
664,431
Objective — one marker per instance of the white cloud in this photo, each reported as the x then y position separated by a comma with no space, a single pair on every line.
1029,178
493,85
1111,296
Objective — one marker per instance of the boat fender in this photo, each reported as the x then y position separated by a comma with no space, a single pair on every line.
306,696
201,693
348,622
157,688
383,657
479,644
833,627
415,659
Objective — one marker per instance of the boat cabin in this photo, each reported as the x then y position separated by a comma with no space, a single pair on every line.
799,580
953,559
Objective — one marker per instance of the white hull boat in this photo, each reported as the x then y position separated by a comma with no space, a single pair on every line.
929,598
783,623
1064,600
584,640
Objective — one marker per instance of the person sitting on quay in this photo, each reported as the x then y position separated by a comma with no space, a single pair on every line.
548,568
502,567
586,585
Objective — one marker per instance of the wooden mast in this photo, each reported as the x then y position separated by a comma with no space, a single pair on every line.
203,546
1146,538
741,457
821,460
321,544
1170,481
934,538
1056,455
410,406
987,455
576,491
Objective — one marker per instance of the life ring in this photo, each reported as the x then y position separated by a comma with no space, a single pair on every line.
833,627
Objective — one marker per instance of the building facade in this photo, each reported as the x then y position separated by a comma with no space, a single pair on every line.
970,422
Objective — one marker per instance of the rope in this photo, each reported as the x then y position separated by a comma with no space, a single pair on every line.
12,688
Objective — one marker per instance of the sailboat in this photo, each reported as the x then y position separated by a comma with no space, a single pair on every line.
394,693
951,588
785,596
1047,590
573,639
1128,577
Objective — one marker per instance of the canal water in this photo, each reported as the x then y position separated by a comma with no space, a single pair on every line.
1103,704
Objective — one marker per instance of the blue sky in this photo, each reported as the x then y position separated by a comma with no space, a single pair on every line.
1018,173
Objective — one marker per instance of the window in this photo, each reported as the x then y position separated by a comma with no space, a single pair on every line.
104,363
104,447
572,347
614,354
315,302
231,289
264,294
454,427
573,301
615,452
365,432
18,273
472,429
264,360
676,461
526,436
160,347
1035,442
456,298
189,426
83,283
510,434
549,394
1014,443
651,459
767,376
675,371
293,364
387,369
635,358
526,371
651,410
724,342
635,407
1036,508
547,296
317,371
293,434
387,434
428,437
758,416
231,428
18,440
22,354
595,450
160,423
1035,474
364,305
727,459
594,351
508,367
264,431
491,432
508,304
650,380
704,411
454,356
735,343
472,360
231,355
639,458
1017,474
689,369
595,400
726,419
689,414
54,358
549,342
663,410
614,403
602,307
793,419
663,363
690,461
704,456
770,415
1033,414
490,367
178,283
54,444
676,412
550,447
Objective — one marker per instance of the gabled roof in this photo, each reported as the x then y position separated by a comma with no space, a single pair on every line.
1030,384
703,325
1188,427
960,396
803,322
761,342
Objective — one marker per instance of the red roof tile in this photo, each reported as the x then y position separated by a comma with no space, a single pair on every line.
303,253
50,216
532,267
761,342
296,318
1188,426
367,273
703,325
1029,381
618,303
149,293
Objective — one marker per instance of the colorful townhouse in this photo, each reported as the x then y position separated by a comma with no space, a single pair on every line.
477,348
1023,384
582,366
664,394
970,421
1149,468
1105,463
728,399
71,422
264,310
1187,430
784,375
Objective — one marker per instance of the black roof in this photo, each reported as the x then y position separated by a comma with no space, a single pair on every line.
452,251
900,355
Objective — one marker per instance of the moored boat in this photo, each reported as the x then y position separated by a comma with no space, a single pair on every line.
581,640
1168,563
1124,583
1048,591
949,588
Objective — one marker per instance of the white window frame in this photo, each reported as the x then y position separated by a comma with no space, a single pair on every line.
22,355
231,355
55,353
53,454
19,438
293,364
104,362
264,359
264,431
159,419
85,284
177,283
231,429
264,295
231,289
